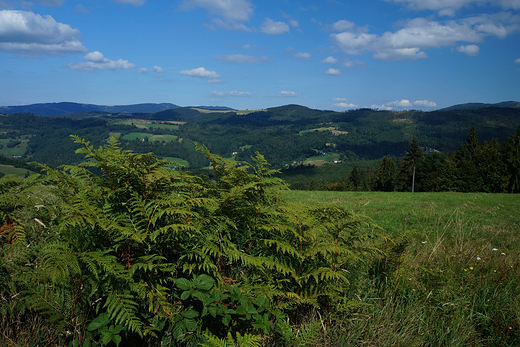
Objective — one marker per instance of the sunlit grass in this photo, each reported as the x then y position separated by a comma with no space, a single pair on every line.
451,276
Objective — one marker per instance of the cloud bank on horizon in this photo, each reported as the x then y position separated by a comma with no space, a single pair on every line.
384,54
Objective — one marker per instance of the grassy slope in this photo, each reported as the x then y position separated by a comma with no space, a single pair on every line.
451,276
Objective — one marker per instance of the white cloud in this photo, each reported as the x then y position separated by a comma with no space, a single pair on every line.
294,23
340,99
27,32
96,61
302,55
231,93
400,103
351,63
286,94
471,50
330,60
424,103
240,58
415,36
271,27
517,61
228,25
200,73
216,80
143,70
345,105
405,103
230,10
130,2
158,69
449,7
353,43
343,25
332,71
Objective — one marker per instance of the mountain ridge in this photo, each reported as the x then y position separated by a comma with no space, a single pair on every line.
291,110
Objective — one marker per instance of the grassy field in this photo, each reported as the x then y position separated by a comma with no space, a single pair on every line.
178,160
11,170
319,160
17,150
450,276
151,137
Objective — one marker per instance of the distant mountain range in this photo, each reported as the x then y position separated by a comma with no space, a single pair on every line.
73,109
509,104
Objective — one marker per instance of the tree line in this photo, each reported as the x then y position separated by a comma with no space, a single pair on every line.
491,166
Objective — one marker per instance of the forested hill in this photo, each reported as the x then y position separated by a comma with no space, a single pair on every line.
67,108
285,135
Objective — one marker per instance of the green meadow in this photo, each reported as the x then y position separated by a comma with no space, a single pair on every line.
449,276
151,137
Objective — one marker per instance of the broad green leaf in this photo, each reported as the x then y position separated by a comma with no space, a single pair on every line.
190,324
101,321
190,313
186,294
183,283
204,282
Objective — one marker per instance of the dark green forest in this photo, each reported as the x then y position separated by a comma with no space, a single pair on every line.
355,143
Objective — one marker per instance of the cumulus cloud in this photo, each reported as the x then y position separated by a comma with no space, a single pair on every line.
303,55
414,37
343,25
143,70
240,58
158,69
330,60
200,73
424,103
517,61
405,103
471,50
345,105
96,61
332,71
448,8
229,12
30,33
231,93
271,27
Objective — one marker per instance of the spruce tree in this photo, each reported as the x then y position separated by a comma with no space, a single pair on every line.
414,159
386,175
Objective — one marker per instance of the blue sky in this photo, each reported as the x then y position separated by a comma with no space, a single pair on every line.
251,54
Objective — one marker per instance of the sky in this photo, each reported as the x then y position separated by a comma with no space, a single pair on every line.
252,54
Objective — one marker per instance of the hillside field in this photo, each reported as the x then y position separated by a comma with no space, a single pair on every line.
450,277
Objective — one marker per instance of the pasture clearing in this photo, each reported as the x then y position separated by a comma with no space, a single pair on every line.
320,160
150,137
11,170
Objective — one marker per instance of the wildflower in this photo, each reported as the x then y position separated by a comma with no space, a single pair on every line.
494,249
465,269
423,242
503,253
471,267
478,258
